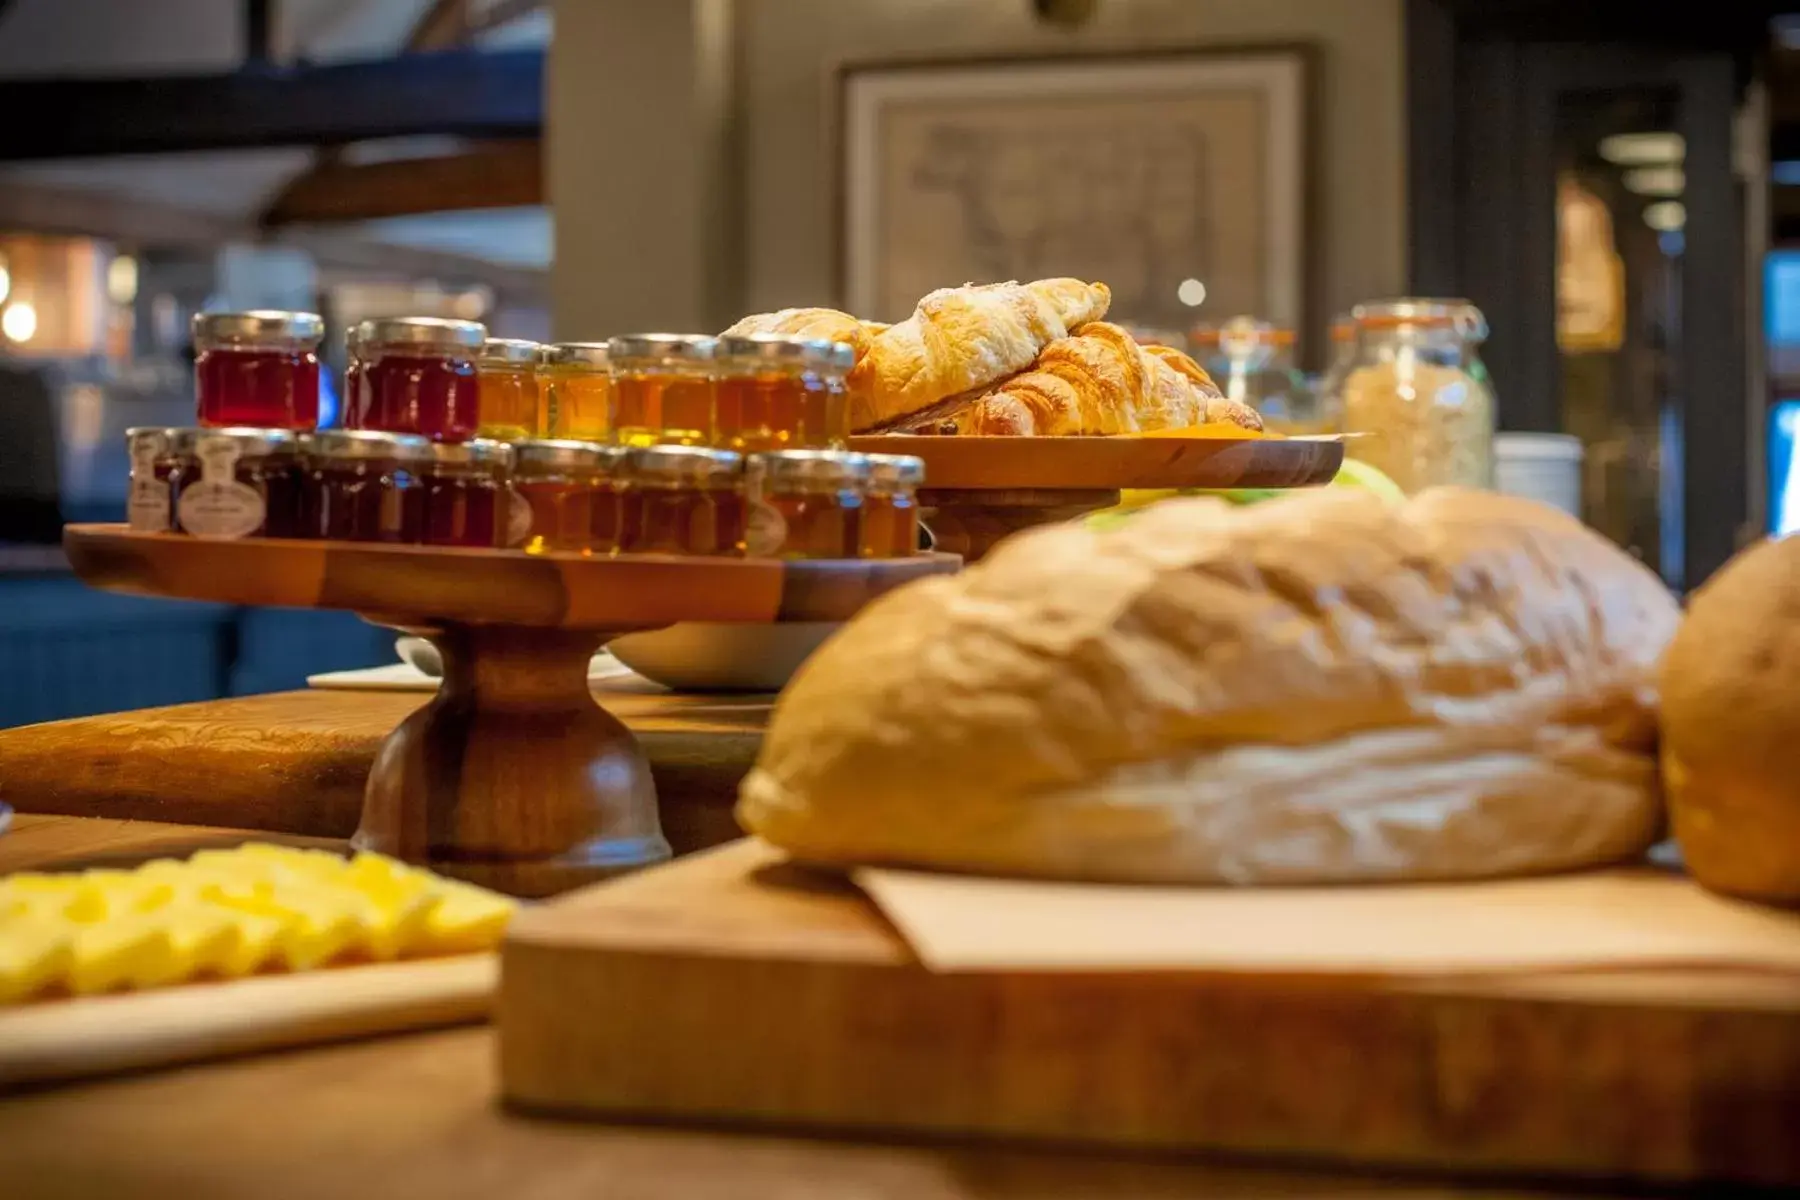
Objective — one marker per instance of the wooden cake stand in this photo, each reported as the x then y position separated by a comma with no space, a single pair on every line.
512,777
979,489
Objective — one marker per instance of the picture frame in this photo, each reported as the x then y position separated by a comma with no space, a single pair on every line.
1142,171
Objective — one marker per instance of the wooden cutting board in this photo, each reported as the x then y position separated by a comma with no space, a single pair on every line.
296,762
730,986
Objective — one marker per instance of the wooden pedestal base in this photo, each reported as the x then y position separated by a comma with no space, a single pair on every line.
969,521
513,777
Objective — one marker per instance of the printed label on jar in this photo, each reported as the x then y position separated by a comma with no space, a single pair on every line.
219,509
518,518
766,531
147,508
145,447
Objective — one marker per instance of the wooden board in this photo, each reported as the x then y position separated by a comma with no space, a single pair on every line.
1102,463
296,762
612,1005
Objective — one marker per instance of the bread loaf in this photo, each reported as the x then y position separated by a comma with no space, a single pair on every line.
1325,687
963,338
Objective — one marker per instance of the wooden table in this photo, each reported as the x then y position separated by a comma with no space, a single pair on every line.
414,1116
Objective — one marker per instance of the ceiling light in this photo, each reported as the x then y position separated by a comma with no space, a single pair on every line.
122,279
1666,216
1191,293
1643,149
19,322
1656,181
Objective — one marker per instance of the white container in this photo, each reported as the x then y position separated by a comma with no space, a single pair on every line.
1540,466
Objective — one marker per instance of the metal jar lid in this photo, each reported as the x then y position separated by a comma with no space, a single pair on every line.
158,432
674,466
419,333
554,456
592,355
778,350
1412,312
890,471
810,469
251,443
681,350
257,328
366,444
509,352
482,452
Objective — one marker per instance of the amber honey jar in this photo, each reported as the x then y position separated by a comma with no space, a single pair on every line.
663,389
507,383
576,378
776,392
806,504
149,503
365,486
465,494
683,500
234,483
571,495
257,369
890,527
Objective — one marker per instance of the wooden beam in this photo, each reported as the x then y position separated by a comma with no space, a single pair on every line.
500,175
460,92
27,205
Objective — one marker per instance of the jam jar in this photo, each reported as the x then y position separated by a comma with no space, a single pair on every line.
571,494
364,486
149,502
663,389
683,500
257,369
827,418
775,392
235,482
890,527
808,504
577,380
465,493
417,375
507,374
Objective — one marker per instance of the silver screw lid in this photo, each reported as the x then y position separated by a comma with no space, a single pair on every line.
679,349
810,468
508,352
889,471
368,444
575,354
552,456
431,333
262,327
251,442
781,350
672,466
484,452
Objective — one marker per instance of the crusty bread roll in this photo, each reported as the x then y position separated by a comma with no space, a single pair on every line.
1321,688
963,338
826,323
1098,380
1731,726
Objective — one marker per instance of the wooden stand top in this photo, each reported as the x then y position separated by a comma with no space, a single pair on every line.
494,587
1102,463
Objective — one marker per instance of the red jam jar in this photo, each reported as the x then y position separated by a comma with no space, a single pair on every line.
364,486
683,500
149,502
235,483
417,375
257,369
465,493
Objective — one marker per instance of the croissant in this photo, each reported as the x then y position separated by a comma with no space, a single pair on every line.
826,323
964,338
1096,381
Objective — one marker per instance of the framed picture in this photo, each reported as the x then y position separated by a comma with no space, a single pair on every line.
1171,178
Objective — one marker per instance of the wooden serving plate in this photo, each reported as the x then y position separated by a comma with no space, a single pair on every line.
512,776
979,489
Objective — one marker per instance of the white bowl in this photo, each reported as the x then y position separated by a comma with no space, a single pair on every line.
700,657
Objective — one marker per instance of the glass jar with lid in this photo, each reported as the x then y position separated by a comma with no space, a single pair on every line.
257,368
808,503
465,493
417,375
508,385
568,496
1425,418
364,486
1254,365
577,391
683,500
890,527
777,391
149,503
235,482
663,389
